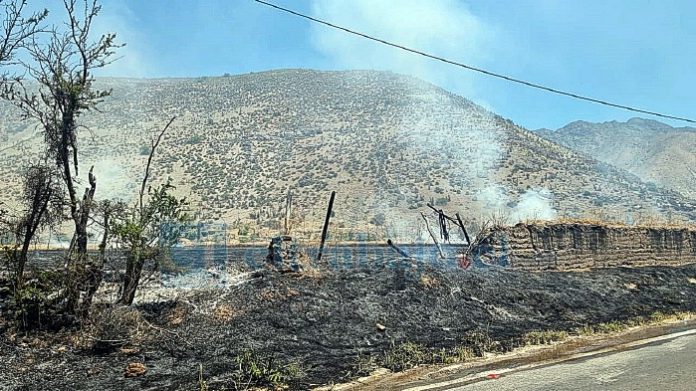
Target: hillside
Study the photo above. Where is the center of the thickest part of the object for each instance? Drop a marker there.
(654, 151)
(387, 143)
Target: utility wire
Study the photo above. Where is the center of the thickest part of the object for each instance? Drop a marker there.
(480, 70)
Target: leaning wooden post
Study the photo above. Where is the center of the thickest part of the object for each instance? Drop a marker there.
(398, 250)
(439, 249)
(325, 231)
(461, 225)
(288, 205)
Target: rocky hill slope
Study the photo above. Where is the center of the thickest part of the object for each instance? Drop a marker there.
(652, 150)
(387, 143)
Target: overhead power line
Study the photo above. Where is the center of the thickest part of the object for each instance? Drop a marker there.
(480, 70)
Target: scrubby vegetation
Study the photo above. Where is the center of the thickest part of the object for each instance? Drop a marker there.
(386, 143)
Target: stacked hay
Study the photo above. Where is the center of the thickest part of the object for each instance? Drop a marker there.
(577, 246)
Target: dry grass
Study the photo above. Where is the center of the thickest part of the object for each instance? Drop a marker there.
(116, 327)
(656, 317)
(178, 315)
(429, 282)
(656, 223)
(544, 337)
(225, 313)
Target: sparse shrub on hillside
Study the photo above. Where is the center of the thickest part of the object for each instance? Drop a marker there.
(195, 139)
(441, 201)
(379, 219)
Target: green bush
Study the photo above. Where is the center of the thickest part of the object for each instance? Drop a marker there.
(36, 304)
(480, 342)
(256, 370)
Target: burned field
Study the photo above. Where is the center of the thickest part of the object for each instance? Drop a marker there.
(323, 326)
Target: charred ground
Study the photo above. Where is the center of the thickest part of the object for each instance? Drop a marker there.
(328, 324)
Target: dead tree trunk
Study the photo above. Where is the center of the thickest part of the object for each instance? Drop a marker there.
(461, 225)
(134, 269)
(85, 209)
(79, 272)
(95, 276)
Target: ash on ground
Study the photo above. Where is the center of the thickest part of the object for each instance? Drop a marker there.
(326, 324)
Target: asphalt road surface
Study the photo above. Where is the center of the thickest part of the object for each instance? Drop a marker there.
(666, 366)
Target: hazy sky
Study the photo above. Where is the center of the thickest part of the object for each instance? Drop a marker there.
(635, 52)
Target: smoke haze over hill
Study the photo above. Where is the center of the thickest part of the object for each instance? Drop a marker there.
(388, 144)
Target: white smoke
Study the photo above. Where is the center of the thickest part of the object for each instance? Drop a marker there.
(131, 60)
(533, 204)
(443, 27)
(115, 178)
(447, 133)
(494, 198)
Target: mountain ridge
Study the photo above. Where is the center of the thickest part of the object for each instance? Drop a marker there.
(654, 151)
(387, 143)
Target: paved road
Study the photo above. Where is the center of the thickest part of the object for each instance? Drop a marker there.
(665, 366)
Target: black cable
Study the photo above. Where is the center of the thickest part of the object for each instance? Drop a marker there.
(480, 70)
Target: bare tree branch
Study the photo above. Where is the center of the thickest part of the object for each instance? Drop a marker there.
(155, 143)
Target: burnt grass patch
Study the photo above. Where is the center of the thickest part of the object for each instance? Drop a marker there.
(330, 326)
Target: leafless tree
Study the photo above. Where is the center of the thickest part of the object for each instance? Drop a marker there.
(63, 67)
(61, 70)
(16, 32)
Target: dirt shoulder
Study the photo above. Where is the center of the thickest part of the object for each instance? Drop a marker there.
(573, 348)
(335, 326)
